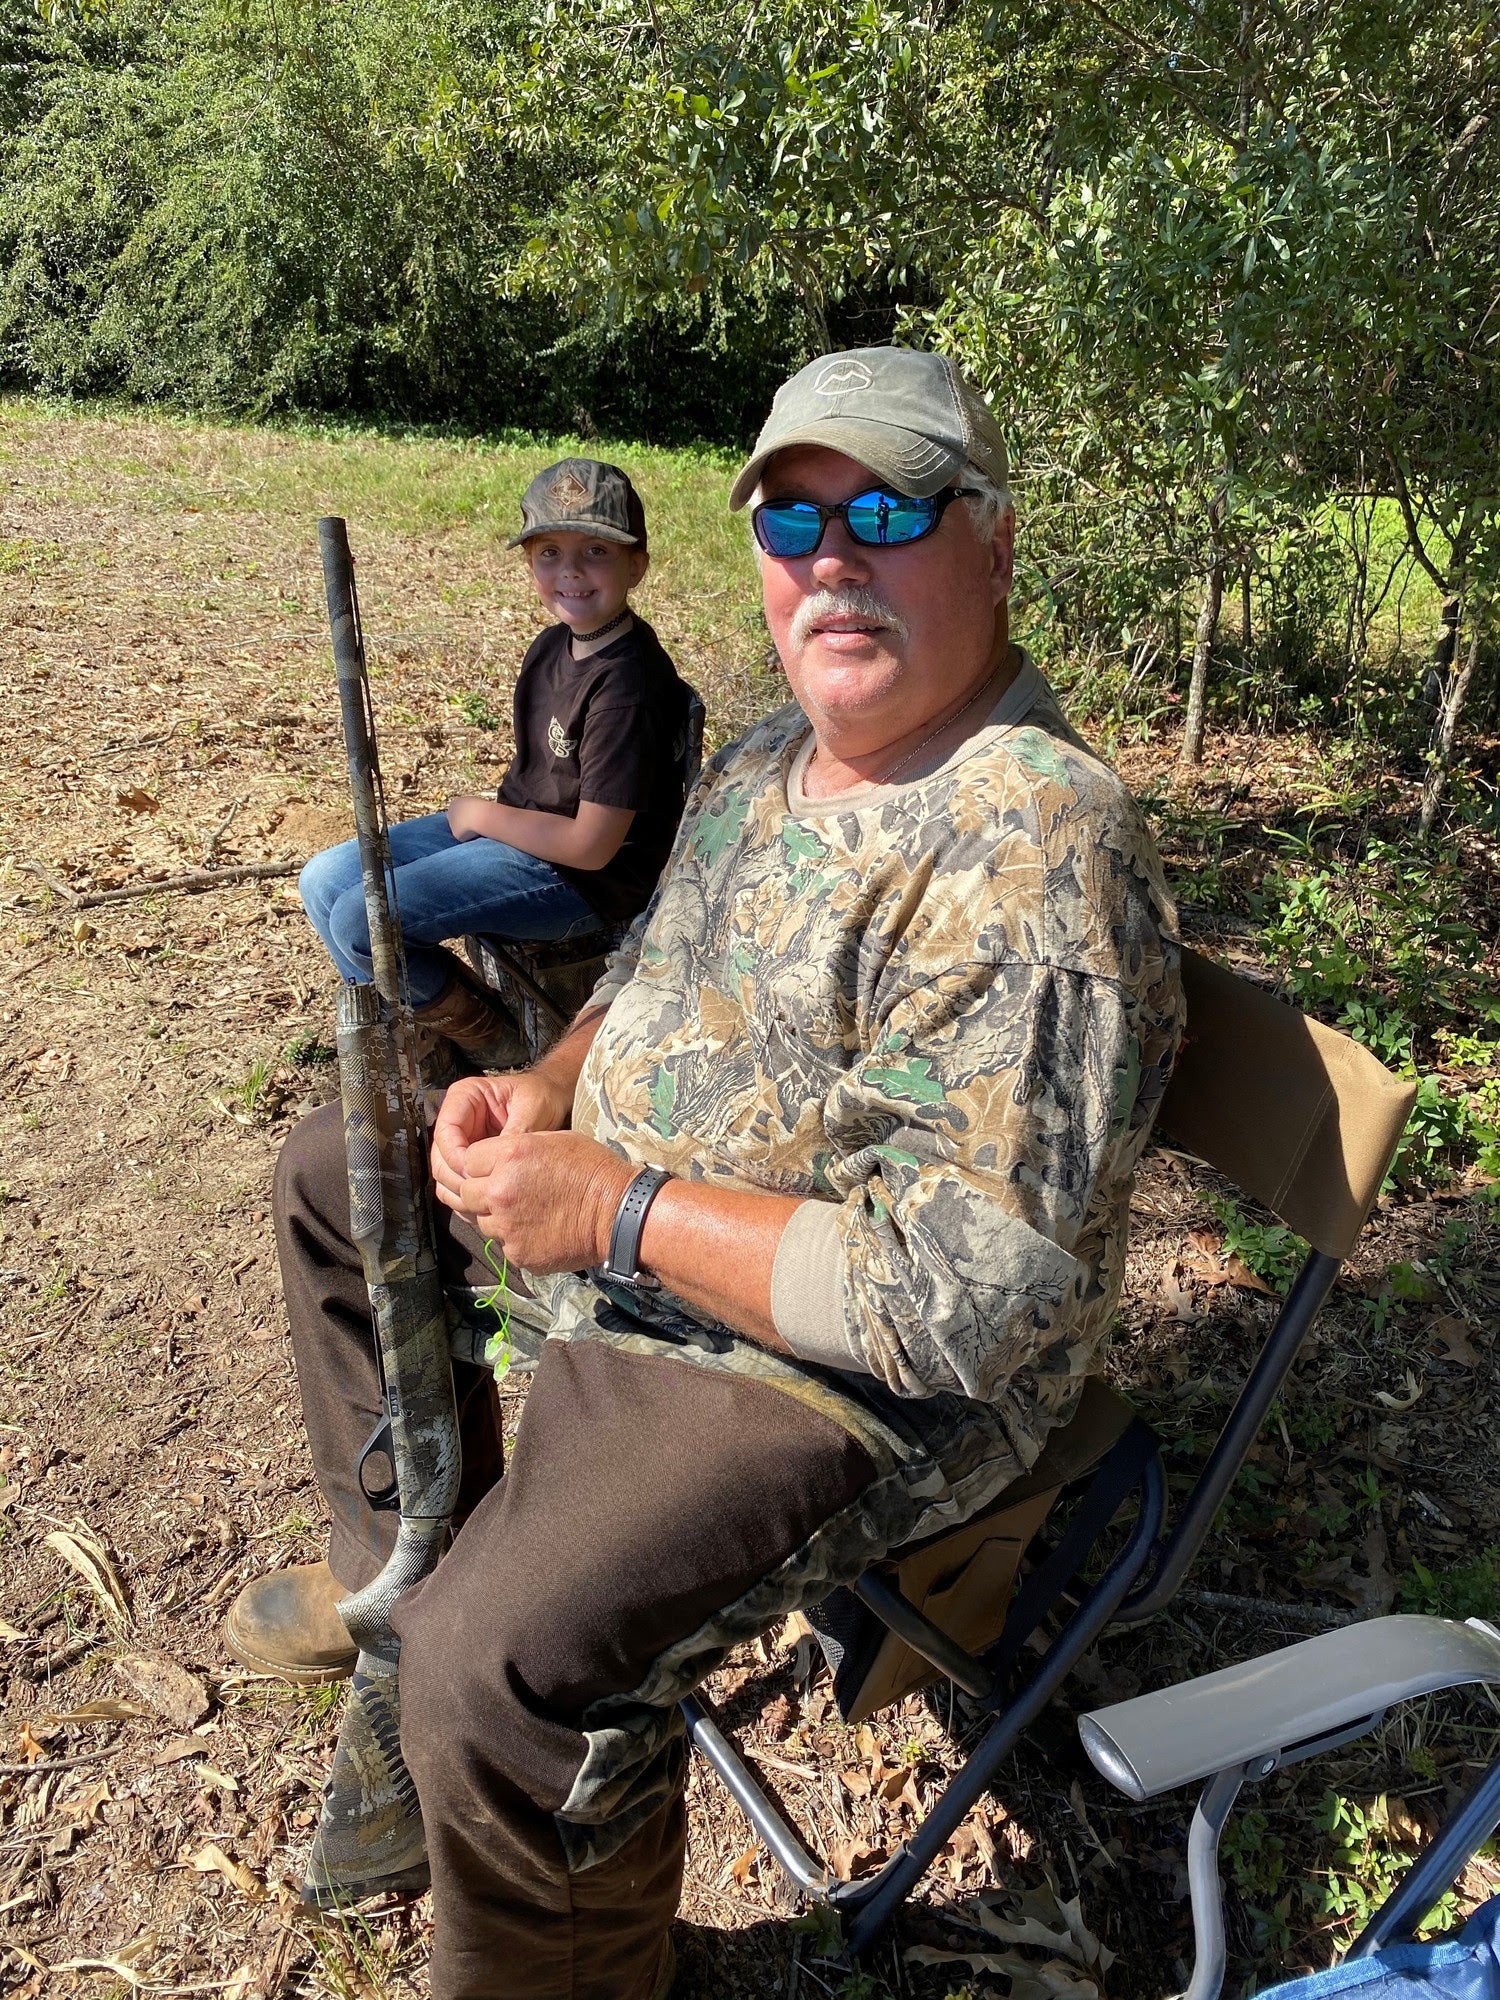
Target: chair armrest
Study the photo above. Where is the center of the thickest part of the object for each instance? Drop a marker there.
(1268, 1706)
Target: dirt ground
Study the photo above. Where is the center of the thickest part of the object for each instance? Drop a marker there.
(169, 707)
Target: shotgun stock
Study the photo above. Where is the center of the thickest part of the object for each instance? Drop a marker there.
(390, 1202)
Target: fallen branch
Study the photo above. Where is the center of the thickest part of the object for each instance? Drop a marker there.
(55, 1763)
(44, 1665)
(202, 878)
(1317, 1617)
(54, 882)
(219, 832)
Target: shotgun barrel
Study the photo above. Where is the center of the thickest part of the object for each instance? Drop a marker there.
(390, 1199)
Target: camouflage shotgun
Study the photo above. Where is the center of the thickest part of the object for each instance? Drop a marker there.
(390, 1207)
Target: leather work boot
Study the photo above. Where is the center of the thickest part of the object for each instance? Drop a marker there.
(370, 1840)
(285, 1624)
(477, 1021)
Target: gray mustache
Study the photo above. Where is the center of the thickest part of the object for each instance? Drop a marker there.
(856, 601)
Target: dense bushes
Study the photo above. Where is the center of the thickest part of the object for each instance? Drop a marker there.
(253, 212)
(1230, 273)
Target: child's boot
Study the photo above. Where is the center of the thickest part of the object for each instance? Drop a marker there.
(477, 1022)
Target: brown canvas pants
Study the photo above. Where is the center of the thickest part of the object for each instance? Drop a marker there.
(643, 1494)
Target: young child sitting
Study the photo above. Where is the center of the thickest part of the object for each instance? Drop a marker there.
(587, 811)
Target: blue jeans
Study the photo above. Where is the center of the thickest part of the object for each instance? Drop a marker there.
(444, 888)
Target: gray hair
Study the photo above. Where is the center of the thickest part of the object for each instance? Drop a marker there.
(986, 503)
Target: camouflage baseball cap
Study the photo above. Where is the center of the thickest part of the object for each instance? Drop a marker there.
(582, 496)
(910, 417)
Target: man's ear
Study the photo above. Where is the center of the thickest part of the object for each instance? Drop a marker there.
(1003, 556)
(640, 562)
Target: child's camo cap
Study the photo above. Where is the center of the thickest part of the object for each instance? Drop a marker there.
(582, 496)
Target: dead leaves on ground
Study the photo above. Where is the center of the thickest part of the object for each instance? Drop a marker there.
(136, 800)
(30, 1746)
(1203, 1261)
(210, 1859)
(1076, 1959)
(103, 1708)
(1448, 1337)
(84, 1806)
(1371, 1589)
(83, 1551)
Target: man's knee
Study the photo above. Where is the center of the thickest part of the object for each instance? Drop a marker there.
(457, 1719)
(312, 1174)
(486, 1701)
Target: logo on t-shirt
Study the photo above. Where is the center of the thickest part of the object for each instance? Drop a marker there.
(559, 744)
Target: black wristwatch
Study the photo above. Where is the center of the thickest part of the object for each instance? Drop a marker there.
(622, 1266)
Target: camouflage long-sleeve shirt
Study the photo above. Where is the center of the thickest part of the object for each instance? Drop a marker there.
(943, 1013)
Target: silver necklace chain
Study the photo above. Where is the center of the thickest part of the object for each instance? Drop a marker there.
(948, 722)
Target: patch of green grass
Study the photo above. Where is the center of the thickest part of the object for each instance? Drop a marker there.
(250, 1088)
(476, 710)
(26, 557)
(293, 1525)
(1470, 1590)
(363, 1958)
(319, 1704)
(310, 1051)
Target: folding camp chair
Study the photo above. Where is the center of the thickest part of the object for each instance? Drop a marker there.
(546, 984)
(1294, 1114)
(1239, 1725)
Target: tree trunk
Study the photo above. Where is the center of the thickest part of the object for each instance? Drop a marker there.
(1446, 734)
(1444, 662)
(1203, 651)
(1245, 633)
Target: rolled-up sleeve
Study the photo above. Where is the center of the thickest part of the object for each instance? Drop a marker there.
(968, 1145)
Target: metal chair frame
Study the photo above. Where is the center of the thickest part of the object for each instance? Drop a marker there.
(1142, 1578)
(1285, 1708)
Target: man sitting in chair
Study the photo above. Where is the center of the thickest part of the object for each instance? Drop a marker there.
(852, 1118)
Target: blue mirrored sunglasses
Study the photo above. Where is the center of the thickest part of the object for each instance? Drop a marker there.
(877, 520)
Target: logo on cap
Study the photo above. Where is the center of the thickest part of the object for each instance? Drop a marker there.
(842, 378)
(569, 491)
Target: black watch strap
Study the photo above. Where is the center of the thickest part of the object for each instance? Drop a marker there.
(622, 1266)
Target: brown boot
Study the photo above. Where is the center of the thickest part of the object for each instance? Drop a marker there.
(477, 1021)
(285, 1624)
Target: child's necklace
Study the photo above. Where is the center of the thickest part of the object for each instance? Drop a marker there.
(619, 619)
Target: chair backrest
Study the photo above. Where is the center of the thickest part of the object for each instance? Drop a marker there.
(1296, 1114)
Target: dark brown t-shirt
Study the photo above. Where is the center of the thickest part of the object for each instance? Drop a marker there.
(609, 730)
